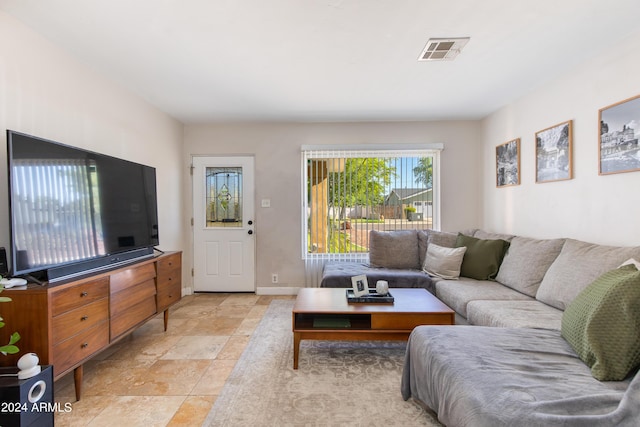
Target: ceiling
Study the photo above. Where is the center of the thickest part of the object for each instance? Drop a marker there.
(332, 60)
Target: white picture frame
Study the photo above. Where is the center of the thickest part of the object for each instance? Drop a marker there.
(360, 285)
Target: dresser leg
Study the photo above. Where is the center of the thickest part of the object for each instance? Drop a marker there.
(166, 319)
(77, 379)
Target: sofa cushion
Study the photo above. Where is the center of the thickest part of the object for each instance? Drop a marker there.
(458, 293)
(602, 324)
(483, 257)
(394, 249)
(514, 314)
(443, 238)
(579, 264)
(526, 262)
(440, 238)
(443, 262)
(423, 242)
(487, 235)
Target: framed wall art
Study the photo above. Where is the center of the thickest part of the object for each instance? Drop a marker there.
(554, 153)
(508, 163)
(619, 126)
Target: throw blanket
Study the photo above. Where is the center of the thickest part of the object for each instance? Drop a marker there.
(338, 274)
(486, 376)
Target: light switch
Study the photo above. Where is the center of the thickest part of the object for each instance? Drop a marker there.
(266, 203)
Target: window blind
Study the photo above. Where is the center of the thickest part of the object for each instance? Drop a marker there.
(347, 192)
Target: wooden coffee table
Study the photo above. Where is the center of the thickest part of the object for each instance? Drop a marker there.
(325, 314)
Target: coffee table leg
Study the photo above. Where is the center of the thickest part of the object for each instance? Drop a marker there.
(296, 349)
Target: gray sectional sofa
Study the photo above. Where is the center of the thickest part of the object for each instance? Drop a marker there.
(518, 364)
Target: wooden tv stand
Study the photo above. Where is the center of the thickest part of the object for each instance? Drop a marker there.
(67, 323)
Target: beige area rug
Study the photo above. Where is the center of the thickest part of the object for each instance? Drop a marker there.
(337, 384)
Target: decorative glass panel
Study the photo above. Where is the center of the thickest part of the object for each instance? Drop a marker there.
(224, 197)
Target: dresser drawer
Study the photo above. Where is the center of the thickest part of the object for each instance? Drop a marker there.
(79, 347)
(168, 294)
(74, 321)
(169, 278)
(132, 317)
(121, 302)
(76, 296)
(170, 265)
(131, 277)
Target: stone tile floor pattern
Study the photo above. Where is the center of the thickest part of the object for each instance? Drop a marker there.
(157, 378)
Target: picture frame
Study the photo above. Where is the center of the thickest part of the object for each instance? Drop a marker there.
(508, 163)
(619, 131)
(554, 153)
(360, 285)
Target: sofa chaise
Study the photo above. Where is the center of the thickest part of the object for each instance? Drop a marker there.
(524, 361)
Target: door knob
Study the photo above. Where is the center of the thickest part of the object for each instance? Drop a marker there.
(250, 222)
(250, 231)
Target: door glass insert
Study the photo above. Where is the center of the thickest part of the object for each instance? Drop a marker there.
(224, 197)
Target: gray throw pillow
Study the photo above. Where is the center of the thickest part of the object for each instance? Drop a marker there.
(394, 249)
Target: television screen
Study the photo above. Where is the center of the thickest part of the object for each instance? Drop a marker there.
(74, 210)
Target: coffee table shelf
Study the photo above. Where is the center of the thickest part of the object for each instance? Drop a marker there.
(324, 321)
(325, 314)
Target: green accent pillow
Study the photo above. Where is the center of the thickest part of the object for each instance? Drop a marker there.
(483, 257)
(602, 324)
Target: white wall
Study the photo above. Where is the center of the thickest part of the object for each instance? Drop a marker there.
(278, 175)
(601, 209)
(47, 93)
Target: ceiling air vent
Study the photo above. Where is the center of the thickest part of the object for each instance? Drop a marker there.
(442, 49)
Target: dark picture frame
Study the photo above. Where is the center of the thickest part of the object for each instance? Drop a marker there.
(619, 131)
(554, 153)
(508, 163)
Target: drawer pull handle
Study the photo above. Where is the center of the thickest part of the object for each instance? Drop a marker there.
(85, 345)
(84, 294)
(83, 318)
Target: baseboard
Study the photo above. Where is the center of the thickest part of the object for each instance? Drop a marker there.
(269, 290)
(261, 290)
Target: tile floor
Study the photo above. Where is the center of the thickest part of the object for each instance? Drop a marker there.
(157, 378)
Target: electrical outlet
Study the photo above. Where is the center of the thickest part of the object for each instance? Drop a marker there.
(274, 278)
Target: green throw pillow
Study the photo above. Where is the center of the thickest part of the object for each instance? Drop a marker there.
(483, 257)
(602, 324)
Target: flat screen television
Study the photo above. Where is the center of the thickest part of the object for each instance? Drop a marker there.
(74, 211)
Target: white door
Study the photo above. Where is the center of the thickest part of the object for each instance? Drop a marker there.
(223, 224)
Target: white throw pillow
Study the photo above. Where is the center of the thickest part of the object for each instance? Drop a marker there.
(631, 261)
(443, 262)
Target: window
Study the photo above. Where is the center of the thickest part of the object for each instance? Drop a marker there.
(349, 192)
